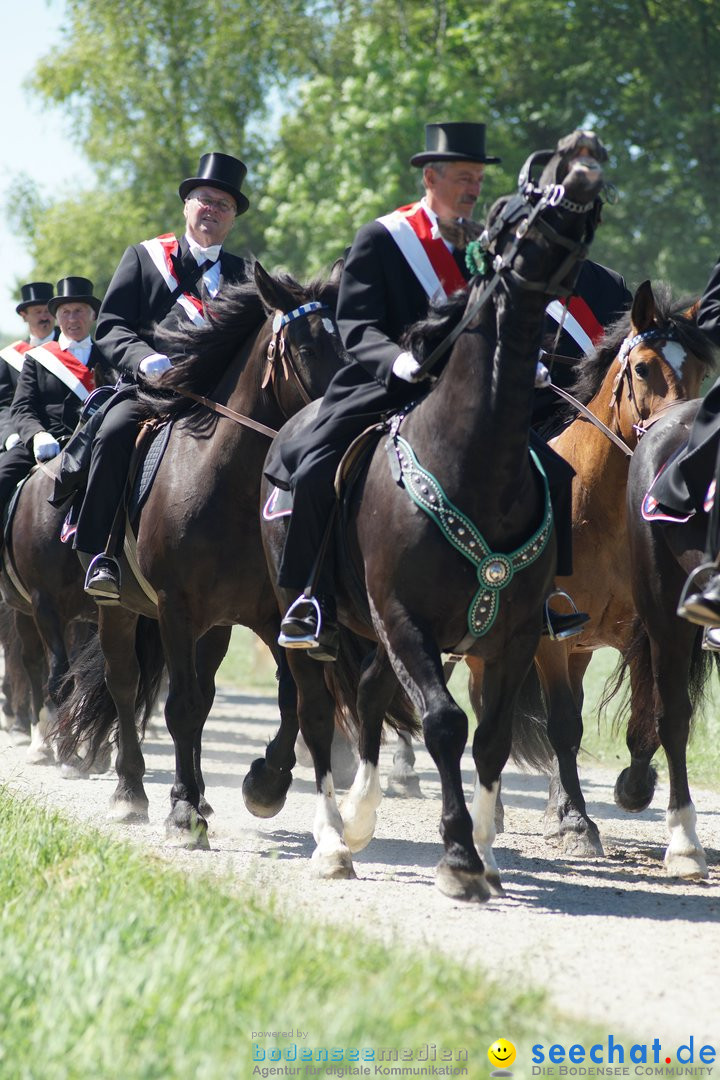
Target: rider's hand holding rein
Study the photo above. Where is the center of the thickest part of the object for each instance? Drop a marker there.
(152, 367)
(407, 368)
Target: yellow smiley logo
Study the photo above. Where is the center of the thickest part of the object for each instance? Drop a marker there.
(501, 1053)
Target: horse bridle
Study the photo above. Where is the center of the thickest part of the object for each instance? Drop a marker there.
(277, 349)
(515, 209)
(280, 358)
(640, 426)
(653, 334)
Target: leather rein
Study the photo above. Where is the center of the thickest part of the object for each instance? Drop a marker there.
(279, 354)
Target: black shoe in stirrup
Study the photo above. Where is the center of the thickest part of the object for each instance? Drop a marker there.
(102, 580)
(311, 623)
(558, 626)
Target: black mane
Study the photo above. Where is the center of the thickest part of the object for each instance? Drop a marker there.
(202, 354)
(422, 337)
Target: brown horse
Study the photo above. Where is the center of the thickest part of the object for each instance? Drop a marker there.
(270, 346)
(647, 363)
(448, 533)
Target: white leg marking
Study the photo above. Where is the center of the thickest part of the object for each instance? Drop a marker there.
(360, 805)
(482, 813)
(332, 856)
(684, 856)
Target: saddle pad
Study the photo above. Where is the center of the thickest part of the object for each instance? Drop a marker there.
(148, 470)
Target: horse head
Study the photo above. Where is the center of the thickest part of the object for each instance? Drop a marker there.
(305, 349)
(662, 359)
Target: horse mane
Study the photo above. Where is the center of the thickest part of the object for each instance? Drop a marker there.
(422, 337)
(592, 369)
(202, 354)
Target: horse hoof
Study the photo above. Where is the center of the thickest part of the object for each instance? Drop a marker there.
(334, 865)
(40, 755)
(638, 799)
(128, 812)
(468, 885)
(494, 884)
(186, 828)
(404, 786)
(358, 841)
(582, 845)
(72, 769)
(204, 807)
(264, 790)
(686, 866)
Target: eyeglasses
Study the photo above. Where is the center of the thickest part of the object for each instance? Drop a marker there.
(213, 204)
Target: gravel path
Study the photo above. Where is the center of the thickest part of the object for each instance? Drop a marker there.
(612, 940)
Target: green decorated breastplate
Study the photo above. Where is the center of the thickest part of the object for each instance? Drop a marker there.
(495, 569)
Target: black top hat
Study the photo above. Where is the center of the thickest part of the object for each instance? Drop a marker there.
(219, 171)
(36, 292)
(454, 142)
(74, 290)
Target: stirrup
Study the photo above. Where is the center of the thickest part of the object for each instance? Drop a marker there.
(702, 568)
(95, 564)
(571, 631)
(308, 641)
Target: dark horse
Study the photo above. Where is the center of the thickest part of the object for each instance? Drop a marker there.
(42, 581)
(198, 543)
(668, 667)
(464, 445)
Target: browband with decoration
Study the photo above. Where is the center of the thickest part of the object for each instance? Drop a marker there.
(281, 320)
(647, 335)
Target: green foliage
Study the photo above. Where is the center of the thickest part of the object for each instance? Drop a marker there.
(326, 101)
(113, 965)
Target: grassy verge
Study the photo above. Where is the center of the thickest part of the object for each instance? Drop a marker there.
(249, 664)
(113, 965)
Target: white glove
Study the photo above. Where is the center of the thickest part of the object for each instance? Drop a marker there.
(12, 440)
(542, 376)
(152, 367)
(406, 368)
(45, 446)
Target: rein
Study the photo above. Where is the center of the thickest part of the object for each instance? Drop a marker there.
(277, 348)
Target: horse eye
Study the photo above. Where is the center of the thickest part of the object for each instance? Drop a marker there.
(641, 369)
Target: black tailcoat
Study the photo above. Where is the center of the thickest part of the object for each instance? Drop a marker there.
(137, 308)
(43, 402)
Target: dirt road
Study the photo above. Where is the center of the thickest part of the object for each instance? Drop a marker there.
(612, 940)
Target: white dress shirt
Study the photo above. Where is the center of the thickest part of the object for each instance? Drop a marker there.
(79, 349)
(211, 277)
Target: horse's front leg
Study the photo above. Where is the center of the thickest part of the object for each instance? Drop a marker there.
(117, 629)
(376, 689)
(566, 821)
(211, 650)
(635, 785)
(266, 785)
(416, 660)
(185, 716)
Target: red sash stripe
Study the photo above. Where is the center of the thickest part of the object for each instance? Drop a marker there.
(76, 367)
(436, 249)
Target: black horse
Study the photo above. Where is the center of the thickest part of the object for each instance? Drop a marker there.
(270, 347)
(668, 667)
(449, 537)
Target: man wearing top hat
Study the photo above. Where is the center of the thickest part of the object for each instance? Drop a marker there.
(33, 308)
(159, 284)
(396, 266)
(56, 379)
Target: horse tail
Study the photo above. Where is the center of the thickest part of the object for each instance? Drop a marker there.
(342, 679)
(640, 701)
(531, 747)
(87, 716)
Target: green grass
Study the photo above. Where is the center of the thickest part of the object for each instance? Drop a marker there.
(113, 965)
(249, 664)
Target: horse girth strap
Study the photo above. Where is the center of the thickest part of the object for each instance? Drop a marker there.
(495, 570)
(230, 414)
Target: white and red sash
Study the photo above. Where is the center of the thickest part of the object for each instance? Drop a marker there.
(161, 249)
(66, 367)
(428, 257)
(15, 354)
(578, 320)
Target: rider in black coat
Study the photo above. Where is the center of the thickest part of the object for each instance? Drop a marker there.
(159, 284)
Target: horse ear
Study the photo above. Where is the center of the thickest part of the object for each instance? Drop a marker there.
(642, 314)
(272, 292)
(336, 272)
